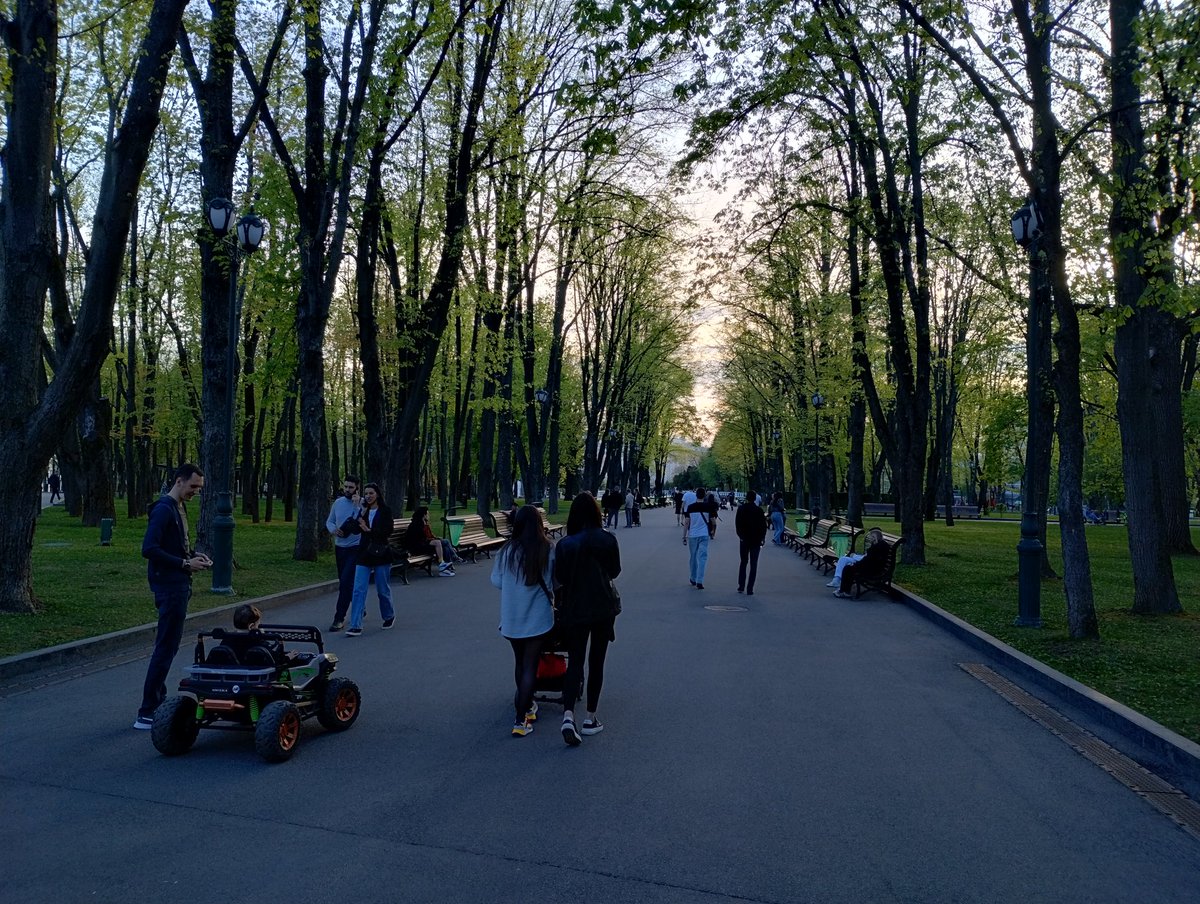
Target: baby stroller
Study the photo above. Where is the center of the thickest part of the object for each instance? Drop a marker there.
(552, 671)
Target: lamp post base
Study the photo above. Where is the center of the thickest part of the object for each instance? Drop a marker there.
(222, 527)
(1029, 574)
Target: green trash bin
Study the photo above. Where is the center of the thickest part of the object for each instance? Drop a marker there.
(840, 543)
(456, 529)
(106, 531)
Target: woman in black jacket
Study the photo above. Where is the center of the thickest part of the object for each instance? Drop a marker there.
(586, 562)
(375, 522)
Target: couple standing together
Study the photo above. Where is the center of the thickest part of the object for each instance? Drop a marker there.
(581, 569)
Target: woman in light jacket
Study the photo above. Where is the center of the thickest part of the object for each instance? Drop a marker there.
(522, 572)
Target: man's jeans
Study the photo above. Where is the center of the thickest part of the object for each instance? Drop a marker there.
(778, 522)
(172, 610)
(629, 517)
(697, 558)
(748, 550)
(346, 558)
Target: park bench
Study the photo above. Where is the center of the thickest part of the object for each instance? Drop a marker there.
(959, 511)
(474, 539)
(879, 509)
(402, 559)
(826, 557)
(882, 579)
(501, 524)
(818, 537)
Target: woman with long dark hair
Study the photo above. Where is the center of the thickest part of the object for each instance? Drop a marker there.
(420, 541)
(375, 558)
(522, 572)
(586, 563)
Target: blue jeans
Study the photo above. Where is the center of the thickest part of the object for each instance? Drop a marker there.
(362, 574)
(777, 523)
(629, 517)
(697, 558)
(172, 608)
(346, 558)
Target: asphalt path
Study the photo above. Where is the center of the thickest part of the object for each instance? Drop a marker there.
(807, 749)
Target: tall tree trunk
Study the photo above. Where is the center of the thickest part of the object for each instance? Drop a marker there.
(1135, 346)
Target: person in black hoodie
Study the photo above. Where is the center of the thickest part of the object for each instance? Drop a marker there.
(586, 562)
(870, 564)
(170, 564)
(751, 526)
(375, 522)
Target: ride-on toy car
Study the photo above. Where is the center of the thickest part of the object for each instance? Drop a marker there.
(249, 682)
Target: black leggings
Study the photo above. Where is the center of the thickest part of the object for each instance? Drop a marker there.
(577, 644)
(526, 651)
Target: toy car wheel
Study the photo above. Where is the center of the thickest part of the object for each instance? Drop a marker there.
(278, 731)
(339, 704)
(175, 726)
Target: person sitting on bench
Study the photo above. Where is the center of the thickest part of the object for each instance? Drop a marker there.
(871, 562)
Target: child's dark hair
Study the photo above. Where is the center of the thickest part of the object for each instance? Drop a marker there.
(246, 616)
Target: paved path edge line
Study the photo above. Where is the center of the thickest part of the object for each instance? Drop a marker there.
(76, 651)
(1180, 752)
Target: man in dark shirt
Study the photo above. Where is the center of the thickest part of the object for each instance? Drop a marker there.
(170, 566)
(751, 526)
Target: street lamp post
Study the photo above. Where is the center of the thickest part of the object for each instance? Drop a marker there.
(777, 465)
(818, 402)
(1027, 229)
(249, 232)
(542, 397)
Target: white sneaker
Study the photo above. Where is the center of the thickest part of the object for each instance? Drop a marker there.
(446, 573)
(834, 583)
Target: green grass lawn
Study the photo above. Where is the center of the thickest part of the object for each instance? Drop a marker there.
(1150, 664)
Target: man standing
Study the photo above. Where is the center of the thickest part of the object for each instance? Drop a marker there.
(171, 563)
(343, 524)
(55, 483)
(751, 526)
(629, 504)
(695, 534)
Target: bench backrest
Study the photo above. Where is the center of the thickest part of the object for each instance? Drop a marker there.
(823, 531)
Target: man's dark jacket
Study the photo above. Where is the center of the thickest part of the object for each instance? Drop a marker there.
(750, 523)
(163, 546)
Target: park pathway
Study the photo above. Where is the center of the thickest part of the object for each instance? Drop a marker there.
(786, 747)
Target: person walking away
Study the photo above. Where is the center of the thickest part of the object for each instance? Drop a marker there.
(522, 572)
(55, 484)
(419, 540)
(871, 563)
(695, 535)
(714, 514)
(778, 518)
(587, 561)
(375, 558)
(678, 496)
(342, 523)
(750, 524)
(171, 562)
(630, 502)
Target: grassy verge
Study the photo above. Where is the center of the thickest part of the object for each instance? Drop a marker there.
(1151, 664)
(86, 589)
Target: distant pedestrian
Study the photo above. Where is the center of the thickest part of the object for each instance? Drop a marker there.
(587, 561)
(630, 502)
(678, 496)
(696, 534)
(55, 484)
(171, 562)
(523, 572)
(751, 526)
(374, 559)
(342, 523)
(778, 518)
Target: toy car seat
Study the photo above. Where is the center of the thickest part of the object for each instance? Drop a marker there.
(221, 655)
(258, 657)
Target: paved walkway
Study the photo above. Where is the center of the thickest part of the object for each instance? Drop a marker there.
(806, 749)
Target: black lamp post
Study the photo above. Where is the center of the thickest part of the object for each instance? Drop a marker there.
(542, 397)
(249, 233)
(818, 402)
(1027, 229)
(777, 465)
